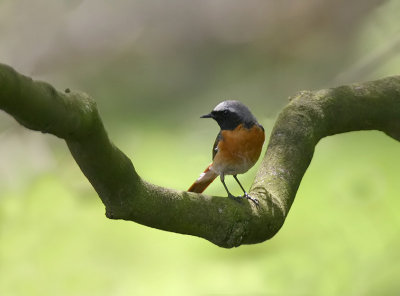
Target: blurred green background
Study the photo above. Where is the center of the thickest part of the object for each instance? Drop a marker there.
(154, 67)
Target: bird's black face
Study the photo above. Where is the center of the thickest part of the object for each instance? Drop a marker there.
(229, 114)
(226, 119)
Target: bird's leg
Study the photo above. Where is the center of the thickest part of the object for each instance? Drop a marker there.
(246, 195)
(237, 180)
(230, 195)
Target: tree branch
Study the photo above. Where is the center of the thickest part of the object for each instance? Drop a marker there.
(310, 116)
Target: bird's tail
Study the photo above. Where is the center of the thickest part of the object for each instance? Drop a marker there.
(203, 181)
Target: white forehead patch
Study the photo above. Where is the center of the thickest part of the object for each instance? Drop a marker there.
(226, 104)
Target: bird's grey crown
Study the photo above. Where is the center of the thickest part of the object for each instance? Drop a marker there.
(238, 108)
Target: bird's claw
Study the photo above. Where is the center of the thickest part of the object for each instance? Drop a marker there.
(254, 200)
(235, 198)
(247, 196)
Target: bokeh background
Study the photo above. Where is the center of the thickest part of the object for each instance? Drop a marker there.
(154, 67)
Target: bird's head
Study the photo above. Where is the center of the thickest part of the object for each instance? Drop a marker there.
(229, 114)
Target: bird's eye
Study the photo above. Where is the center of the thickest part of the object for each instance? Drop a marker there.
(225, 112)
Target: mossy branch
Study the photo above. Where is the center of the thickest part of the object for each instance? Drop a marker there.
(309, 116)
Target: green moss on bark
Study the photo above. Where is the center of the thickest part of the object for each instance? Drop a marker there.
(309, 116)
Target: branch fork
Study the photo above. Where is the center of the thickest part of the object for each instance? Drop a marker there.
(309, 116)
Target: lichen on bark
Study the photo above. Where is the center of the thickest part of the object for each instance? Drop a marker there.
(308, 117)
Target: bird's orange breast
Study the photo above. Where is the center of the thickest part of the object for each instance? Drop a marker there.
(238, 150)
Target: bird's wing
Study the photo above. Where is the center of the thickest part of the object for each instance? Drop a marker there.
(215, 147)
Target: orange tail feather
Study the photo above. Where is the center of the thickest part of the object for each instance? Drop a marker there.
(203, 181)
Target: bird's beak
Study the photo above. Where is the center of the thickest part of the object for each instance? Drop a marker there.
(207, 116)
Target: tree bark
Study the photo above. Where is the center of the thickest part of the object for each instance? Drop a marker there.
(309, 116)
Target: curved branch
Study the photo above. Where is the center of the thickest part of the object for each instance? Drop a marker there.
(310, 116)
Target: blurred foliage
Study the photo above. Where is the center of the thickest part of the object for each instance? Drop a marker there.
(154, 67)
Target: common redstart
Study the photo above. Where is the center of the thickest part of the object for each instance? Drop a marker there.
(237, 146)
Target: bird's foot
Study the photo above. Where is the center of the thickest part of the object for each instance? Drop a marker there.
(240, 198)
(254, 200)
(235, 198)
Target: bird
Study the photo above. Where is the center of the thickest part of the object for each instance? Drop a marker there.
(236, 149)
